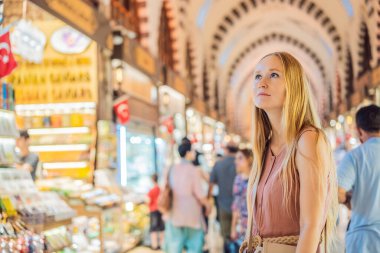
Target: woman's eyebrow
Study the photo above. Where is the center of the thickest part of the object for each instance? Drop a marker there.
(275, 69)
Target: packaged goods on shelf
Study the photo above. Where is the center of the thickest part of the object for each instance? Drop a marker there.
(106, 219)
(7, 97)
(15, 181)
(33, 206)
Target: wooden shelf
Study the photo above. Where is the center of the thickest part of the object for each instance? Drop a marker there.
(6, 111)
(49, 226)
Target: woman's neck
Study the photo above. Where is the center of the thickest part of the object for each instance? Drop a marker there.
(278, 134)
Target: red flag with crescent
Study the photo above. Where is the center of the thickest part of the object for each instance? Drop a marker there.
(7, 61)
(121, 109)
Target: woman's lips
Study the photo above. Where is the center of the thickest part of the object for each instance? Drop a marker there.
(263, 94)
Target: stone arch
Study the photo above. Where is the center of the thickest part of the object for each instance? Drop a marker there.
(245, 8)
(167, 49)
(349, 80)
(365, 51)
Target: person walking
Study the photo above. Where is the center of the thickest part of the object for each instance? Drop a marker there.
(157, 225)
(243, 162)
(184, 228)
(292, 192)
(223, 175)
(359, 180)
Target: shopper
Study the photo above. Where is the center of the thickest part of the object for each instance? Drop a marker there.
(27, 160)
(223, 175)
(185, 225)
(243, 162)
(199, 163)
(359, 177)
(157, 225)
(292, 187)
(215, 190)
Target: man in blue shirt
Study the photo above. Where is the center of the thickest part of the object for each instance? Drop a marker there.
(359, 173)
(223, 175)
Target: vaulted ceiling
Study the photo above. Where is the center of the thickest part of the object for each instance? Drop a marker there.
(224, 39)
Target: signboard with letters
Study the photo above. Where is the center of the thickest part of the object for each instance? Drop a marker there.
(59, 78)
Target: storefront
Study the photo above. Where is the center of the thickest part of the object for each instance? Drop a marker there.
(220, 133)
(134, 70)
(208, 147)
(194, 127)
(172, 123)
(56, 86)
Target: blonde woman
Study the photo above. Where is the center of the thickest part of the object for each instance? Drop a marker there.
(292, 200)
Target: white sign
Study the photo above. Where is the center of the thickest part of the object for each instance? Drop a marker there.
(28, 41)
(67, 40)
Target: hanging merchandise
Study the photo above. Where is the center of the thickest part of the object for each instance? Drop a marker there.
(28, 41)
(7, 61)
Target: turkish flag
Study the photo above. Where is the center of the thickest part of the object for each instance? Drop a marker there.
(121, 109)
(7, 61)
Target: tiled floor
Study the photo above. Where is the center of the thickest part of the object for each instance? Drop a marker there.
(215, 241)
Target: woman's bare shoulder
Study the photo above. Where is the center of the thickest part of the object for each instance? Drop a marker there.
(310, 140)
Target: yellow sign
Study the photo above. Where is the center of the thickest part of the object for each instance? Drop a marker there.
(180, 85)
(59, 78)
(145, 61)
(77, 10)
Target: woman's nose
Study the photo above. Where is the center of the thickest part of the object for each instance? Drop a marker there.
(263, 83)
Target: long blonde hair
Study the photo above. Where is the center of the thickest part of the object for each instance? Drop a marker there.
(298, 114)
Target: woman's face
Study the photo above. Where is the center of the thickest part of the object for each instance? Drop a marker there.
(241, 162)
(269, 84)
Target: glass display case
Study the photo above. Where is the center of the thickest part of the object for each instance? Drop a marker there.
(136, 155)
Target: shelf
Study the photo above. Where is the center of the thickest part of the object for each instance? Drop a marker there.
(65, 165)
(9, 139)
(59, 148)
(56, 107)
(59, 130)
(3, 111)
(57, 224)
(49, 226)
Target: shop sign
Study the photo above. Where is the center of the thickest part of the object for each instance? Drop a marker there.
(67, 40)
(375, 77)
(7, 61)
(28, 41)
(127, 56)
(58, 78)
(179, 84)
(143, 111)
(145, 61)
(121, 109)
(80, 15)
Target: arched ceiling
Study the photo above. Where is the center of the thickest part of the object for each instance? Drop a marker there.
(236, 34)
(230, 36)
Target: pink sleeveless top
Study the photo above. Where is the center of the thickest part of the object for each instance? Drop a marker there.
(273, 218)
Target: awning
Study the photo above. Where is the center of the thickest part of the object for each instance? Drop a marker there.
(81, 16)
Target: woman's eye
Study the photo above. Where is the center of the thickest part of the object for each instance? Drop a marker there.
(274, 75)
(257, 77)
